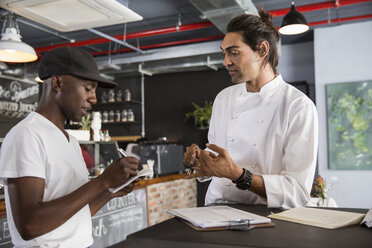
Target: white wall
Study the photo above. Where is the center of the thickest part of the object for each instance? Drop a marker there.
(296, 62)
(342, 54)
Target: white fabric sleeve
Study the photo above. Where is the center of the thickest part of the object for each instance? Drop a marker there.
(22, 154)
(211, 136)
(292, 187)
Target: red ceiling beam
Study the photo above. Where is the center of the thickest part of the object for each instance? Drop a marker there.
(345, 19)
(187, 27)
(182, 42)
(317, 6)
(140, 34)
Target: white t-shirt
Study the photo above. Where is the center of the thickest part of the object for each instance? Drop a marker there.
(273, 133)
(35, 147)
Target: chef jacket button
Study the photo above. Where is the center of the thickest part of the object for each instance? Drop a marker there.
(232, 140)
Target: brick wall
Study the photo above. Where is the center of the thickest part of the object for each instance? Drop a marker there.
(162, 197)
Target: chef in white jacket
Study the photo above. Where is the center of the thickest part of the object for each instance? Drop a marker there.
(263, 130)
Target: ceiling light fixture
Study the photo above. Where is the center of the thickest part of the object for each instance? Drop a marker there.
(293, 22)
(12, 49)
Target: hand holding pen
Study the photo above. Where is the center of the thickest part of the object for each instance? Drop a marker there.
(191, 158)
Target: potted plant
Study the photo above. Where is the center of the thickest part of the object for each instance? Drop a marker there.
(201, 114)
(82, 134)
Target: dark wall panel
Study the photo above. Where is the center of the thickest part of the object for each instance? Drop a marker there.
(168, 98)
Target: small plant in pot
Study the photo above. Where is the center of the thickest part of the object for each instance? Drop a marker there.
(201, 114)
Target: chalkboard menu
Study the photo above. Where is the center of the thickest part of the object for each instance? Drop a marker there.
(17, 97)
(120, 217)
(5, 240)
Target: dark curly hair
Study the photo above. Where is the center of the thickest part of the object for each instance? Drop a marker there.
(256, 29)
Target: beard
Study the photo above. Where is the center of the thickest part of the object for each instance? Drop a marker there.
(236, 78)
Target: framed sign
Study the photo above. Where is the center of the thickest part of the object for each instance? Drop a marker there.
(17, 97)
(349, 119)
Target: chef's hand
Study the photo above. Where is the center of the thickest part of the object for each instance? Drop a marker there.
(218, 166)
(190, 157)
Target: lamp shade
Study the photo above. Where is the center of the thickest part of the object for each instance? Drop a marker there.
(12, 49)
(293, 23)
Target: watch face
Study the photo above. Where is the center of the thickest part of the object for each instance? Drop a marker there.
(247, 180)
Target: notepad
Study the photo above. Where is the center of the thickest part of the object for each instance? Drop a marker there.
(325, 218)
(217, 216)
(142, 173)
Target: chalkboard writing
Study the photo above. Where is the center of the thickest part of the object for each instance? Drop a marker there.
(5, 240)
(113, 223)
(17, 97)
(120, 217)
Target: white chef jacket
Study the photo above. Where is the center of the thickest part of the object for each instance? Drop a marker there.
(273, 133)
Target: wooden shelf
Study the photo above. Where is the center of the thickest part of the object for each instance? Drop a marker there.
(126, 138)
(121, 123)
(106, 104)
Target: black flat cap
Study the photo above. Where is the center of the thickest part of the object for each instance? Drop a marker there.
(72, 61)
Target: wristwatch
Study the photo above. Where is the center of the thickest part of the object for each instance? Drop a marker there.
(244, 181)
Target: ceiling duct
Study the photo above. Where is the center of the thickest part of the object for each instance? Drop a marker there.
(72, 15)
(220, 12)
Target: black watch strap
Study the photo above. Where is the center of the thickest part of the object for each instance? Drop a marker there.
(244, 181)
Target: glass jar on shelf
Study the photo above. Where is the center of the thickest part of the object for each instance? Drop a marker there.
(119, 96)
(111, 96)
(124, 115)
(104, 97)
(127, 95)
(130, 115)
(111, 116)
(105, 116)
(117, 116)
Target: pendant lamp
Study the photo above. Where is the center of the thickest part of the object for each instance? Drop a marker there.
(293, 23)
(12, 49)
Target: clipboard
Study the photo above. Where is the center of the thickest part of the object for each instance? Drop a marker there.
(217, 218)
(224, 228)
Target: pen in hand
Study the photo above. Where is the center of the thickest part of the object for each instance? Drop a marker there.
(122, 152)
(191, 170)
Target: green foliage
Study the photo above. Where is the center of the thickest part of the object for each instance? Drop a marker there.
(85, 122)
(350, 125)
(201, 114)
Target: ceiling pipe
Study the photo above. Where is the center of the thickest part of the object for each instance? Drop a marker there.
(123, 43)
(181, 42)
(165, 44)
(317, 6)
(140, 34)
(193, 26)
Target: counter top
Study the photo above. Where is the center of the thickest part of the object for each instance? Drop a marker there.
(140, 184)
(156, 180)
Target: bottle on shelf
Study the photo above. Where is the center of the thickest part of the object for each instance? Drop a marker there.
(127, 95)
(124, 115)
(117, 116)
(111, 116)
(104, 97)
(101, 135)
(96, 125)
(111, 96)
(105, 116)
(119, 96)
(130, 115)
(107, 135)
